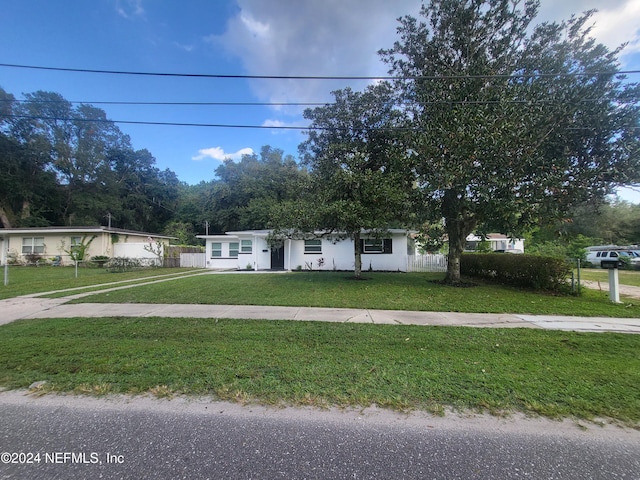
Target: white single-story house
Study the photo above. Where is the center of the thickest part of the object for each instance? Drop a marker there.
(17, 245)
(497, 242)
(249, 250)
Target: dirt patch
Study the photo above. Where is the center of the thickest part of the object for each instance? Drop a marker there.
(627, 290)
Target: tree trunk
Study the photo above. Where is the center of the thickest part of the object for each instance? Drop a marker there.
(4, 218)
(357, 249)
(458, 225)
(26, 209)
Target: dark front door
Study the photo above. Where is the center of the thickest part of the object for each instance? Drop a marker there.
(277, 258)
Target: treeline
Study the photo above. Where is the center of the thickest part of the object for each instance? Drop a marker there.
(68, 165)
(62, 164)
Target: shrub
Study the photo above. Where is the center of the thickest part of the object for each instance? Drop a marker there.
(32, 259)
(122, 264)
(525, 271)
(100, 260)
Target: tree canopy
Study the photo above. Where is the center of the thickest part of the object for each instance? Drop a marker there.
(66, 165)
(355, 159)
(512, 126)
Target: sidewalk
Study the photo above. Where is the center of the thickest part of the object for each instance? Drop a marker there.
(29, 307)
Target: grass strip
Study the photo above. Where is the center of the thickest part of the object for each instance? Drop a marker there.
(550, 373)
(386, 291)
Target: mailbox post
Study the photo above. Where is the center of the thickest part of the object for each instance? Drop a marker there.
(614, 283)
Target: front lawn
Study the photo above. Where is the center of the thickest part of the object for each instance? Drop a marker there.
(387, 291)
(28, 280)
(550, 373)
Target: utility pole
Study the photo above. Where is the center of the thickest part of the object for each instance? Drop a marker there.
(206, 226)
(109, 219)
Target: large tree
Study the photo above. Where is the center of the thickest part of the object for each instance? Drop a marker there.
(66, 164)
(246, 191)
(512, 125)
(356, 162)
(28, 187)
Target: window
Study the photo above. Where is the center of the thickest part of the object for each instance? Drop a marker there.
(373, 246)
(216, 249)
(32, 245)
(75, 249)
(376, 245)
(246, 246)
(313, 246)
(233, 249)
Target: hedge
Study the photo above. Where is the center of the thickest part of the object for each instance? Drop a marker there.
(528, 271)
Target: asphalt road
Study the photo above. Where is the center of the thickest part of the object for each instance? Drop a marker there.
(68, 437)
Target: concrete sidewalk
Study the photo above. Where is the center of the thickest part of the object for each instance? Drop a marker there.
(29, 307)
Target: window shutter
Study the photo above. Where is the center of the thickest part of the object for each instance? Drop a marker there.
(388, 245)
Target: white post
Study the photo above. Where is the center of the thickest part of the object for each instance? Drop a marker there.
(6, 267)
(614, 286)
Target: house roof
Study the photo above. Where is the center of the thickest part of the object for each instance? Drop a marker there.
(264, 233)
(80, 230)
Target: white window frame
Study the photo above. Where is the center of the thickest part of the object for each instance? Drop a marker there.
(33, 245)
(375, 245)
(234, 249)
(216, 248)
(246, 246)
(313, 246)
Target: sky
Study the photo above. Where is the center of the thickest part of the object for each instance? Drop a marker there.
(229, 37)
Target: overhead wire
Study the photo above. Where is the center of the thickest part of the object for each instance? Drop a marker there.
(275, 104)
(315, 77)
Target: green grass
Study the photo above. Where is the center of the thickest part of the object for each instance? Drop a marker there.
(626, 277)
(550, 373)
(387, 291)
(28, 280)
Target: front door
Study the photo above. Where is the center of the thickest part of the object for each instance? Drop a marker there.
(277, 258)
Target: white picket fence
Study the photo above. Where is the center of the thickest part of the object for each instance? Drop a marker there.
(427, 263)
(193, 260)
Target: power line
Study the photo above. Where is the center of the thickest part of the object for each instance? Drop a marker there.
(218, 125)
(295, 104)
(222, 104)
(173, 124)
(316, 77)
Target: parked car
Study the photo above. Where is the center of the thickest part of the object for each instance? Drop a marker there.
(601, 258)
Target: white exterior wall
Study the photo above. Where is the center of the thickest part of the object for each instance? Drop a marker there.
(224, 262)
(337, 255)
(340, 256)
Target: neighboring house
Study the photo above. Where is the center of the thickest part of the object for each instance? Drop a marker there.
(497, 242)
(19, 244)
(249, 250)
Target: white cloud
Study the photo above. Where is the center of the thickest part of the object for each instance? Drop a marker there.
(342, 38)
(273, 123)
(620, 25)
(130, 8)
(616, 21)
(311, 38)
(186, 48)
(217, 153)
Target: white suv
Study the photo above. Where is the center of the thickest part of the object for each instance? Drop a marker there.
(603, 257)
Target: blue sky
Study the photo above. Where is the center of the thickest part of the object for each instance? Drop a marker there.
(246, 37)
